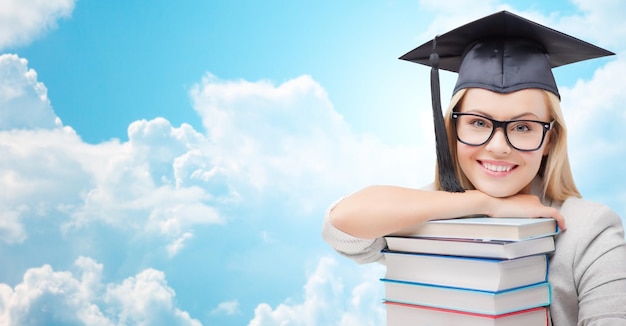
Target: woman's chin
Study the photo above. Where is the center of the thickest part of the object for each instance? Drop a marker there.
(497, 192)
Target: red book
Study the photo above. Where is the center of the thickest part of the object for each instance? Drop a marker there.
(400, 314)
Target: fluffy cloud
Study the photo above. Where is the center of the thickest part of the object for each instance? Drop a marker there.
(21, 92)
(46, 296)
(605, 16)
(146, 184)
(146, 300)
(325, 302)
(595, 118)
(166, 181)
(281, 137)
(123, 185)
(227, 308)
(21, 21)
(593, 108)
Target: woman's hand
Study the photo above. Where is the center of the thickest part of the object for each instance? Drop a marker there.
(523, 205)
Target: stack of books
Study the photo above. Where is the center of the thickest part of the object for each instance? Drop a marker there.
(470, 271)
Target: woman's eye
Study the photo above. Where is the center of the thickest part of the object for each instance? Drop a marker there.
(479, 123)
(521, 127)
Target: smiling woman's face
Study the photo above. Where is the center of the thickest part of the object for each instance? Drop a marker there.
(496, 168)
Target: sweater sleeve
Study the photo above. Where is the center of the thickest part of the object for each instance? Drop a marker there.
(598, 265)
(360, 250)
(601, 270)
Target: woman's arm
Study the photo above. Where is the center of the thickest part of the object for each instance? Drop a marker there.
(377, 211)
(588, 269)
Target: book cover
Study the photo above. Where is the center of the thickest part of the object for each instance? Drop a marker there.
(486, 228)
(472, 247)
(466, 272)
(474, 301)
(399, 314)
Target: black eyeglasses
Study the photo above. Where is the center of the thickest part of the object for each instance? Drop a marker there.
(523, 135)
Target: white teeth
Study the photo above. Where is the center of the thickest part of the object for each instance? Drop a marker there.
(497, 168)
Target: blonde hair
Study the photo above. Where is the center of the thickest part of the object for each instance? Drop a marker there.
(558, 182)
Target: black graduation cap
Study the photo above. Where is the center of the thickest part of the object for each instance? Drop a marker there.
(503, 53)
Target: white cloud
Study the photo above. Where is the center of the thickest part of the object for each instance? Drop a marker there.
(599, 20)
(282, 137)
(227, 307)
(119, 184)
(165, 181)
(21, 92)
(145, 299)
(333, 295)
(46, 296)
(174, 247)
(447, 15)
(146, 184)
(594, 108)
(595, 120)
(11, 230)
(22, 21)
(38, 175)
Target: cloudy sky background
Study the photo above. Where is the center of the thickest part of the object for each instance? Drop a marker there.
(171, 163)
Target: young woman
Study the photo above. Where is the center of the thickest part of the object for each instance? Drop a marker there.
(509, 152)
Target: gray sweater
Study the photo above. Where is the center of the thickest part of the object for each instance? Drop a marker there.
(587, 271)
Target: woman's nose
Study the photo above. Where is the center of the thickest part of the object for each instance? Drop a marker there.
(498, 143)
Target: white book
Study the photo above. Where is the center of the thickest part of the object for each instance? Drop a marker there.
(485, 228)
(472, 247)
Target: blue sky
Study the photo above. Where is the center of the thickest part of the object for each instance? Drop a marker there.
(171, 163)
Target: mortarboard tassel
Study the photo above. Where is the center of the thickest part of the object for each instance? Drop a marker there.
(447, 175)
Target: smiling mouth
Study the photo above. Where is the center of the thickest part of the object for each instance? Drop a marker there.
(497, 167)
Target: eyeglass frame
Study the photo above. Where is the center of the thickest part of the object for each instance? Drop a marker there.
(547, 126)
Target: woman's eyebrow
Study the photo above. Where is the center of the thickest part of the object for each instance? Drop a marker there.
(478, 111)
(524, 114)
(515, 117)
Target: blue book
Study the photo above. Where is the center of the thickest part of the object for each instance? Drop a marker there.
(483, 274)
(473, 301)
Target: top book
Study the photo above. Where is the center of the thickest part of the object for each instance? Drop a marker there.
(486, 228)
